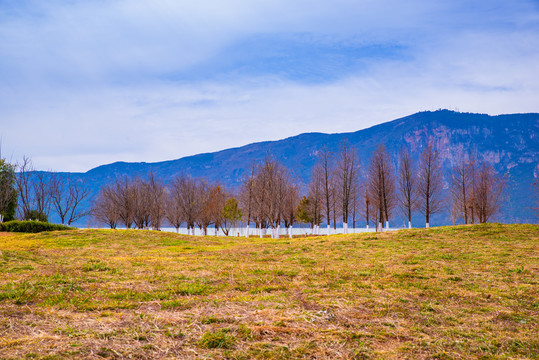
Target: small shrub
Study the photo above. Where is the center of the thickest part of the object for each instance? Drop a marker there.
(31, 226)
(221, 339)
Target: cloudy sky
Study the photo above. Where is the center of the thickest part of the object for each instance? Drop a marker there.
(89, 82)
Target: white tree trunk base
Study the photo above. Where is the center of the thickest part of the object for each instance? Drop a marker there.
(427, 225)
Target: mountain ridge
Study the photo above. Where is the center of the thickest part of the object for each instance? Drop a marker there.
(507, 141)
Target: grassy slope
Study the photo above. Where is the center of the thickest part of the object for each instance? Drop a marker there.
(453, 292)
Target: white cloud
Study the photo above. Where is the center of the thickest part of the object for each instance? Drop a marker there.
(90, 82)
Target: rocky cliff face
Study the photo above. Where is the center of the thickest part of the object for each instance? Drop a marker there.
(509, 142)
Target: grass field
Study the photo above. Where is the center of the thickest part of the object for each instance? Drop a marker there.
(444, 293)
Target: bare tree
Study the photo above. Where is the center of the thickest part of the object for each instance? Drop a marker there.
(381, 186)
(212, 201)
(34, 189)
(316, 196)
(187, 192)
(367, 206)
(104, 208)
(488, 194)
(460, 188)
(42, 186)
(124, 197)
(246, 199)
(430, 182)
(323, 171)
(269, 192)
(24, 186)
(156, 200)
(173, 209)
(407, 188)
(218, 197)
(346, 175)
(356, 202)
(66, 196)
(289, 208)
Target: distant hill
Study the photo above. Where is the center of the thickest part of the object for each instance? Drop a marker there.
(509, 142)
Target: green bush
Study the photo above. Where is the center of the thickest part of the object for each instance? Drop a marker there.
(36, 216)
(221, 339)
(31, 226)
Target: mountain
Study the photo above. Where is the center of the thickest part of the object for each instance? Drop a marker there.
(509, 142)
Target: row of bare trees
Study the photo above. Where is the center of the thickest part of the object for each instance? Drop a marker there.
(147, 203)
(270, 198)
(43, 193)
(341, 188)
(476, 191)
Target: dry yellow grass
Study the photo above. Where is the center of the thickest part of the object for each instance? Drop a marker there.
(447, 293)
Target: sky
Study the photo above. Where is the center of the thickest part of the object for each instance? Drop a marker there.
(90, 82)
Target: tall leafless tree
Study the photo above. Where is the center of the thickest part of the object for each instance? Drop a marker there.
(489, 192)
(269, 188)
(346, 175)
(173, 210)
(124, 197)
(187, 192)
(367, 204)
(156, 200)
(42, 187)
(246, 199)
(430, 182)
(381, 186)
(356, 201)
(460, 188)
(324, 170)
(212, 208)
(104, 208)
(406, 186)
(290, 206)
(67, 194)
(24, 186)
(316, 196)
(34, 189)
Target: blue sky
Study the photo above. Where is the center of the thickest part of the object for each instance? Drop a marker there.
(83, 83)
